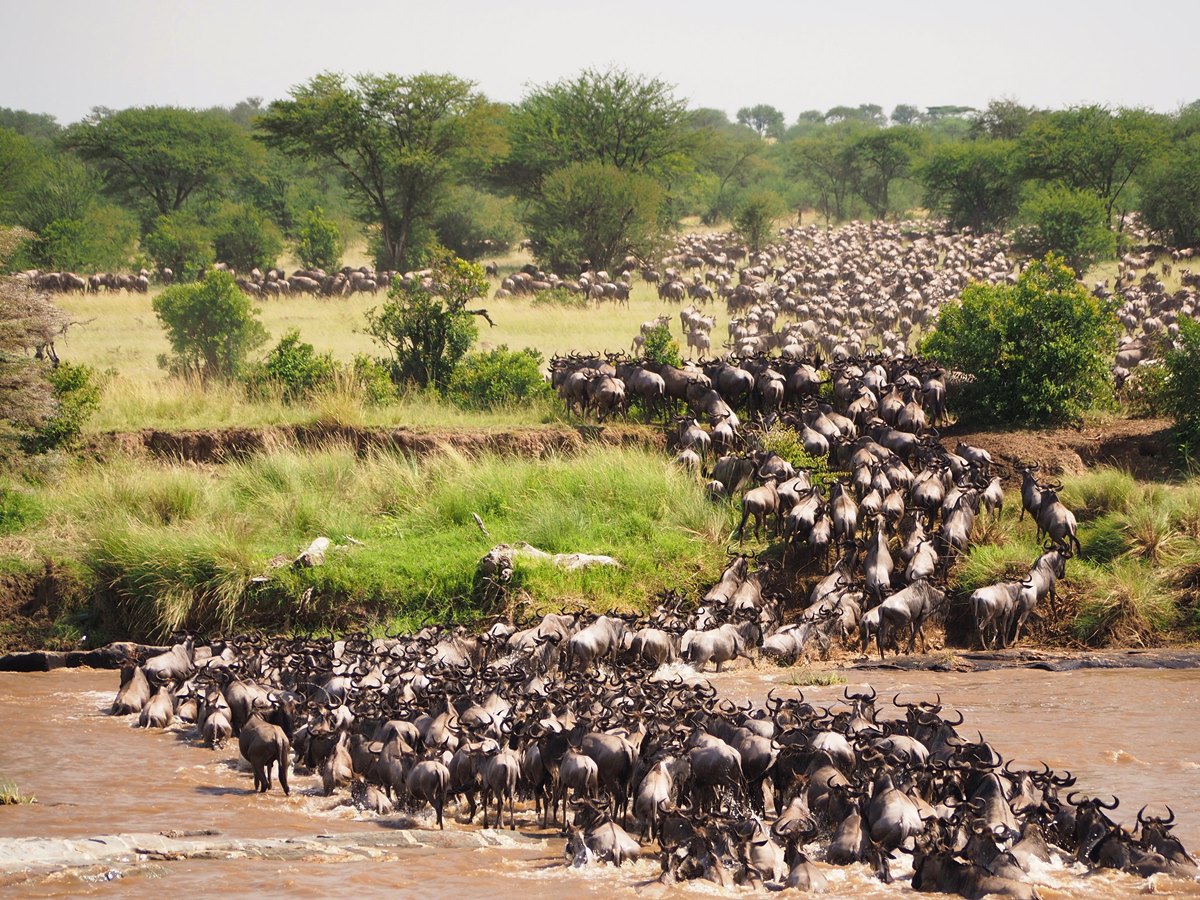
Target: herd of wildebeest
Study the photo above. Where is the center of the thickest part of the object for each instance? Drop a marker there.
(606, 724)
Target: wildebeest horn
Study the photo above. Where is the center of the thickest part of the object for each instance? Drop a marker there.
(1116, 801)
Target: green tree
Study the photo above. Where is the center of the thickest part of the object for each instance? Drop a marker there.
(426, 325)
(397, 143)
(755, 218)
(76, 394)
(1039, 350)
(471, 222)
(972, 183)
(729, 157)
(906, 114)
(180, 243)
(882, 157)
(660, 347)
(1182, 387)
(211, 327)
(1057, 219)
(1092, 148)
(161, 155)
(245, 238)
(828, 162)
(18, 164)
(1170, 193)
(594, 212)
(611, 118)
(765, 119)
(1003, 119)
(499, 377)
(319, 243)
(39, 126)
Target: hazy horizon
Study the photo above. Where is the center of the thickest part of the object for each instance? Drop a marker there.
(66, 57)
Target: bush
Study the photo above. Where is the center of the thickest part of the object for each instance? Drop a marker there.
(471, 223)
(211, 327)
(596, 213)
(19, 510)
(560, 297)
(76, 397)
(373, 378)
(101, 239)
(786, 443)
(497, 378)
(1071, 223)
(246, 239)
(180, 243)
(295, 367)
(661, 348)
(755, 218)
(319, 243)
(429, 329)
(1039, 350)
(1182, 386)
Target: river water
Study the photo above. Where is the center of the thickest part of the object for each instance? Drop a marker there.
(1129, 732)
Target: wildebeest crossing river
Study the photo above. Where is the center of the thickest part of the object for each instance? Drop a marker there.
(1129, 732)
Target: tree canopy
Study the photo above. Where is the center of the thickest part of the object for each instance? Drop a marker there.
(396, 142)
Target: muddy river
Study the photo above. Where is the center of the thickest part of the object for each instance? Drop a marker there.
(1132, 732)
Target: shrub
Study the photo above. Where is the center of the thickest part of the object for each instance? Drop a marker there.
(211, 327)
(76, 397)
(1182, 386)
(1072, 223)
(18, 510)
(661, 348)
(560, 297)
(245, 238)
(755, 218)
(428, 330)
(295, 367)
(499, 377)
(179, 242)
(319, 243)
(373, 378)
(1039, 350)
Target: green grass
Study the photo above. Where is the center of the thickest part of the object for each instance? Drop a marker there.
(175, 546)
(1137, 577)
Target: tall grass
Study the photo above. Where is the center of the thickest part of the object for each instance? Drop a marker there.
(171, 546)
(1136, 579)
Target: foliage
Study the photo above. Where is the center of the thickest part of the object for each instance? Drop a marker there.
(161, 156)
(19, 509)
(727, 160)
(471, 223)
(1144, 392)
(765, 119)
(611, 118)
(829, 164)
(1170, 192)
(180, 243)
(594, 212)
(101, 240)
(1091, 148)
(28, 322)
(427, 328)
(396, 141)
(76, 391)
(755, 218)
(883, 156)
(660, 347)
(972, 183)
(560, 297)
(1182, 387)
(211, 326)
(1072, 223)
(1039, 350)
(373, 378)
(245, 238)
(319, 243)
(294, 367)
(498, 378)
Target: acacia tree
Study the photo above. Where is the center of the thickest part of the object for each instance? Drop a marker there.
(1171, 192)
(755, 218)
(882, 157)
(162, 154)
(396, 143)
(831, 165)
(615, 118)
(763, 118)
(972, 183)
(1091, 148)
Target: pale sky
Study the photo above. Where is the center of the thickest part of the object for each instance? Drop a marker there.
(65, 56)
